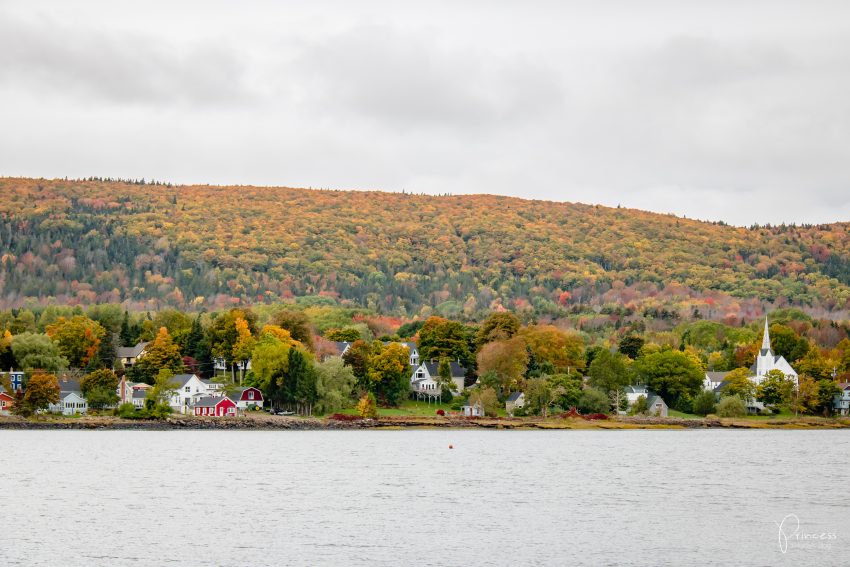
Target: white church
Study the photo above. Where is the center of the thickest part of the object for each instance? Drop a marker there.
(765, 362)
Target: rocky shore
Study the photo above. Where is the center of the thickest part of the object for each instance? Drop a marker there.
(271, 423)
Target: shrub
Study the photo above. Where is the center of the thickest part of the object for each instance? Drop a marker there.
(160, 411)
(640, 407)
(126, 411)
(367, 407)
(344, 417)
(573, 413)
(595, 416)
(593, 401)
(733, 406)
(704, 403)
(684, 404)
(441, 412)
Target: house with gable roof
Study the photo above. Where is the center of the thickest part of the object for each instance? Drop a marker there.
(189, 388)
(424, 379)
(129, 355)
(655, 404)
(214, 406)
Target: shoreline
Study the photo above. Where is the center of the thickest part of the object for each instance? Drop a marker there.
(276, 423)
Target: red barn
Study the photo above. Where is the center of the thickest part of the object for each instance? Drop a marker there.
(245, 397)
(6, 401)
(218, 407)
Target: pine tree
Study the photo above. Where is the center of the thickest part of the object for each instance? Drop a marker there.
(194, 338)
(127, 336)
(296, 368)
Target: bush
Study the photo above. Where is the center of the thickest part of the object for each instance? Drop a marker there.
(126, 411)
(704, 403)
(595, 416)
(572, 414)
(519, 412)
(150, 411)
(733, 406)
(367, 407)
(593, 401)
(446, 396)
(684, 404)
(160, 411)
(344, 417)
(640, 407)
(441, 412)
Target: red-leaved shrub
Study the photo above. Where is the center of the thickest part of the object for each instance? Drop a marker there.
(344, 417)
(596, 416)
(441, 412)
(568, 414)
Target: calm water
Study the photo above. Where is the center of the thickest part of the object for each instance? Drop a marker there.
(403, 498)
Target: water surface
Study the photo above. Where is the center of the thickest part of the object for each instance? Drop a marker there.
(201, 498)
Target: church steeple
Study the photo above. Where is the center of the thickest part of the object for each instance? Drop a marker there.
(765, 342)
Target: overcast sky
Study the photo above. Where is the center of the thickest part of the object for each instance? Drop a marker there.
(735, 111)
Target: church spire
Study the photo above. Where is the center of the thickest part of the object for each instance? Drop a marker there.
(765, 342)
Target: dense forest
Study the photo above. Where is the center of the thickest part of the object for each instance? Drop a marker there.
(149, 246)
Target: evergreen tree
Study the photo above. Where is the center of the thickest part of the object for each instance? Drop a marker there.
(126, 335)
(194, 338)
(295, 370)
(305, 390)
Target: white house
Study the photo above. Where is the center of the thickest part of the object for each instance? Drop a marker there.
(713, 380)
(139, 397)
(515, 400)
(841, 404)
(473, 409)
(654, 403)
(239, 368)
(70, 402)
(414, 353)
(188, 386)
(424, 378)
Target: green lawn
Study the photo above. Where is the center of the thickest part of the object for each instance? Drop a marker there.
(682, 415)
(785, 414)
(408, 408)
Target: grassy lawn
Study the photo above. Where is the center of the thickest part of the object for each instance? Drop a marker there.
(683, 415)
(784, 414)
(408, 408)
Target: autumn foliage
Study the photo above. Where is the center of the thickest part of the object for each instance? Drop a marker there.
(150, 246)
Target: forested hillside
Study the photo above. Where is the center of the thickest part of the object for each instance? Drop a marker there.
(152, 245)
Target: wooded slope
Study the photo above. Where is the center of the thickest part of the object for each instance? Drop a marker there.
(152, 245)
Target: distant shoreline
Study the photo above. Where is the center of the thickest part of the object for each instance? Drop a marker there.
(270, 423)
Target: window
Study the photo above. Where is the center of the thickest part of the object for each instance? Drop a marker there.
(251, 395)
(187, 389)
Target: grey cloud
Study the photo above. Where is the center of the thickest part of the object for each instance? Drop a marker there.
(406, 80)
(118, 66)
(710, 110)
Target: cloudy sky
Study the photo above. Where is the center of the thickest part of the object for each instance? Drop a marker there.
(735, 111)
